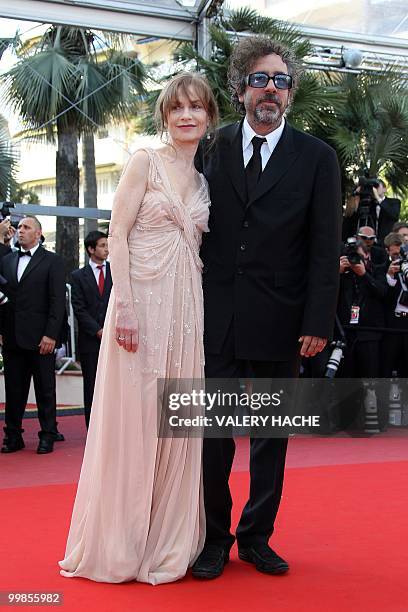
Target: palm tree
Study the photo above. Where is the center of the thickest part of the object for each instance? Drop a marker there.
(8, 162)
(89, 179)
(62, 87)
(370, 130)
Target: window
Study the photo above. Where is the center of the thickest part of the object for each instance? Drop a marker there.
(103, 184)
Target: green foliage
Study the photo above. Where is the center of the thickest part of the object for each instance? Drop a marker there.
(22, 195)
(8, 161)
(63, 77)
(369, 129)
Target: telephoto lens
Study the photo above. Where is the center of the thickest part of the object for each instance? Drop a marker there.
(334, 359)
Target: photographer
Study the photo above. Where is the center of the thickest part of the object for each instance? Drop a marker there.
(363, 288)
(370, 206)
(395, 345)
(376, 254)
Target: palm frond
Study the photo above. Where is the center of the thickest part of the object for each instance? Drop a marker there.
(8, 161)
(240, 20)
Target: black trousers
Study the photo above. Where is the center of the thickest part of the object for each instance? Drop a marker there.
(19, 367)
(395, 348)
(89, 364)
(267, 461)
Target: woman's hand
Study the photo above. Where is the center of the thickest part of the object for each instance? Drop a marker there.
(127, 329)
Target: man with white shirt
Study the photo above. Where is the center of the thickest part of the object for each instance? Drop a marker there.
(91, 287)
(270, 279)
(31, 324)
(387, 211)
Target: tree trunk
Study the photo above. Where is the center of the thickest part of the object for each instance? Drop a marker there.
(67, 187)
(90, 185)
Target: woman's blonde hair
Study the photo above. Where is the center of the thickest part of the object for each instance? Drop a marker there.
(180, 84)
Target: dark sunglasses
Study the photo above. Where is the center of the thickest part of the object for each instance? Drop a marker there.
(364, 237)
(261, 79)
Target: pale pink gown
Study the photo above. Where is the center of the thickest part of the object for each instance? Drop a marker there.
(138, 513)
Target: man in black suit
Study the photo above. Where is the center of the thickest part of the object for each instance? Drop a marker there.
(363, 288)
(373, 252)
(31, 324)
(395, 345)
(91, 287)
(270, 279)
(383, 212)
(387, 211)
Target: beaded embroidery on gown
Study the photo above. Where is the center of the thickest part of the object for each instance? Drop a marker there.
(139, 513)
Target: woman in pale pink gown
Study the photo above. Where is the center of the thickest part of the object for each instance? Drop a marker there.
(138, 513)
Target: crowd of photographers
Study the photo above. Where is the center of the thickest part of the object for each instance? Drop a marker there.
(370, 339)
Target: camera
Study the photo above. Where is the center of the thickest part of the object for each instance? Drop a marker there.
(367, 200)
(350, 251)
(364, 191)
(5, 213)
(5, 209)
(403, 261)
(335, 358)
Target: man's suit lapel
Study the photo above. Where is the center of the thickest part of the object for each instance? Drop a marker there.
(35, 260)
(13, 267)
(91, 280)
(108, 280)
(233, 159)
(278, 164)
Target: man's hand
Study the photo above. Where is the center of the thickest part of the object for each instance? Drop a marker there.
(393, 269)
(377, 195)
(99, 333)
(344, 264)
(47, 345)
(358, 269)
(4, 230)
(311, 345)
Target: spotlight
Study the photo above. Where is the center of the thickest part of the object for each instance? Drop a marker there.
(351, 58)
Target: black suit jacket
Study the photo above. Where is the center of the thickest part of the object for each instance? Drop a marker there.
(391, 300)
(271, 262)
(369, 293)
(89, 306)
(4, 250)
(36, 305)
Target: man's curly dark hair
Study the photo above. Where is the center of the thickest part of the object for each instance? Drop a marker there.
(244, 56)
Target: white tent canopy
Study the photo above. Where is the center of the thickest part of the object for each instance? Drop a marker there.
(159, 18)
(379, 28)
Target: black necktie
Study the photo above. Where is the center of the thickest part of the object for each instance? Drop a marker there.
(254, 167)
(22, 253)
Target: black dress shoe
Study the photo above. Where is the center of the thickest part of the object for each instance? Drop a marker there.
(11, 445)
(59, 437)
(264, 558)
(45, 446)
(210, 563)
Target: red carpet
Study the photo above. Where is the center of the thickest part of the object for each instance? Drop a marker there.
(343, 528)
